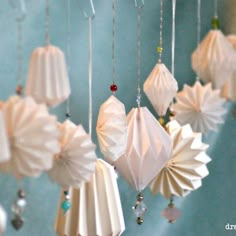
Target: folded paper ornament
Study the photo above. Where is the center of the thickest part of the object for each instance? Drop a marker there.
(32, 135)
(160, 88)
(215, 59)
(76, 160)
(200, 106)
(187, 167)
(96, 207)
(4, 150)
(48, 80)
(148, 149)
(229, 88)
(3, 220)
(112, 129)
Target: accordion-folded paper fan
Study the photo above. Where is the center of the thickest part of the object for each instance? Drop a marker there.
(96, 207)
(215, 59)
(229, 88)
(4, 150)
(112, 129)
(76, 160)
(160, 88)
(148, 149)
(48, 80)
(32, 135)
(187, 167)
(200, 106)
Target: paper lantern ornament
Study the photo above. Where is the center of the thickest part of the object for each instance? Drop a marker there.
(200, 106)
(96, 207)
(76, 160)
(48, 80)
(160, 88)
(229, 89)
(112, 129)
(3, 220)
(4, 150)
(32, 135)
(187, 166)
(149, 148)
(215, 59)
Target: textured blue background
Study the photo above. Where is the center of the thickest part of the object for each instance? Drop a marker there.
(206, 211)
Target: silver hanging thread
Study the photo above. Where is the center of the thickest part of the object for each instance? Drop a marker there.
(90, 66)
(198, 33)
(216, 8)
(113, 44)
(68, 52)
(47, 22)
(138, 99)
(160, 47)
(173, 38)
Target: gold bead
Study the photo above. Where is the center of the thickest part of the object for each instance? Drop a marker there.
(162, 121)
(139, 220)
(159, 50)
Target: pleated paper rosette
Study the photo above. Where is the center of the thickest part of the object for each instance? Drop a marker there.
(229, 88)
(160, 88)
(214, 60)
(187, 167)
(148, 149)
(76, 160)
(32, 135)
(96, 207)
(112, 129)
(4, 150)
(48, 80)
(200, 106)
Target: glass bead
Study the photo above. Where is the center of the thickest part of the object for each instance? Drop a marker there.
(171, 213)
(159, 50)
(66, 205)
(139, 209)
(17, 222)
(19, 90)
(21, 193)
(113, 88)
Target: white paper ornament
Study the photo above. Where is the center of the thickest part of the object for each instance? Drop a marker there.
(187, 166)
(160, 88)
(76, 161)
(229, 89)
(112, 129)
(3, 220)
(200, 106)
(48, 80)
(4, 150)
(214, 60)
(32, 135)
(148, 149)
(96, 207)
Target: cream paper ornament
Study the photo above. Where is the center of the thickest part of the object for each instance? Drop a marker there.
(76, 160)
(4, 150)
(214, 60)
(200, 106)
(148, 149)
(3, 220)
(160, 88)
(96, 207)
(48, 80)
(32, 135)
(229, 88)
(112, 129)
(187, 167)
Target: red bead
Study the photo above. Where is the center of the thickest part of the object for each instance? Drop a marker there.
(113, 87)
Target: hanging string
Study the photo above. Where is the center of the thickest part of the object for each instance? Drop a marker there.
(90, 74)
(68, 53)
(215, 8)
(113, 43)
(215, 20)
(160, 48)
(198, 33)
(138, 100)
(173, 38)
(47, 22)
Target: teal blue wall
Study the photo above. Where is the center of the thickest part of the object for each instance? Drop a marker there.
(206, 211)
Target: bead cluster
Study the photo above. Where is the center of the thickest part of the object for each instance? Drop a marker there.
(139, 209)
(66, 205)
(18, 208)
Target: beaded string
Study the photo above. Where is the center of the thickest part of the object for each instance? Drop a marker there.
(113, 87)
(160, 48)
(198, 33)
(68, 53)
(47, 22)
